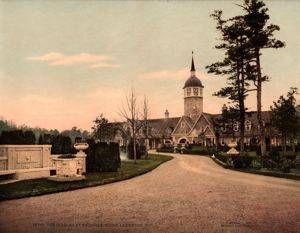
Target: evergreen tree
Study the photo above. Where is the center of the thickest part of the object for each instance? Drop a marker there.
(260, 36)
(235, 66)
(29, 137)
(284, 117)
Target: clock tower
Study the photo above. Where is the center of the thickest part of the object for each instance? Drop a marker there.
(193, 95)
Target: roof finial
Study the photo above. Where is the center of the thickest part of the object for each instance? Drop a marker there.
(192, 66)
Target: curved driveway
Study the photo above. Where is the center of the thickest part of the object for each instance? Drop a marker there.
(186, 194)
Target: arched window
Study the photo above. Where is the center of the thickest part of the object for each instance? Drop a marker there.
(224, 128)
(196, 92)
(183, 140)
(188, 91)
(236, 126)
(248, 125)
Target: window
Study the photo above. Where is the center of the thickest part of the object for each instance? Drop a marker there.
(222, 142)
(248, 125)
(247, 141)
(188, 92)
(236, 127)
(224, 128)
(182, 124)
(264, 125)
(196, 91)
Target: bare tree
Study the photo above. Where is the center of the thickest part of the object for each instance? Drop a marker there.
(130, 113)
(146, 116)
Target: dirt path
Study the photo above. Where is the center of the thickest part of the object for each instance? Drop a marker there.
(186, 194)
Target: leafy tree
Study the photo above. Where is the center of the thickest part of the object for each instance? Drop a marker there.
(284, 117)
(6, 126)
(261, 36)
(102, 130)
(75, 133)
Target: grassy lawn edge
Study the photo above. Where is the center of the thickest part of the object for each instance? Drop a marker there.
(259, 172)
(37, 187)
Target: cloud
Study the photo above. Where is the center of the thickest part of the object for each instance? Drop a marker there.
(91, 60)
(178, 74)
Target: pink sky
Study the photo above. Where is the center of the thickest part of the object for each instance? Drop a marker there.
(62, 68)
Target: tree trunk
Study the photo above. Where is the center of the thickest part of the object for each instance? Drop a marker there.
(242, 109)
(146, 147)
(293, 146)
(134, 143)
(259, 94)
(134, 149)
(242, 132)
(283, 145)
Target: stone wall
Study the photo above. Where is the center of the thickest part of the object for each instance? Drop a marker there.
(25, 161)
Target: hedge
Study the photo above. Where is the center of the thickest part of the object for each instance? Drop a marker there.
(102, 157)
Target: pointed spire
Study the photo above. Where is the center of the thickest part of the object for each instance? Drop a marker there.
(193, 66)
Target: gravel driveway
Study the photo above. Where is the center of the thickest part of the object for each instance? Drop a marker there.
(186, 194)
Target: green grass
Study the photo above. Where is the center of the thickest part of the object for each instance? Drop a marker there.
(294, 174)
(37, 187)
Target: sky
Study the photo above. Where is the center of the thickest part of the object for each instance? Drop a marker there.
(63, 63)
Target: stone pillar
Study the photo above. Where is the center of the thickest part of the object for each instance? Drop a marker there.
(81, 166)
(82, 162)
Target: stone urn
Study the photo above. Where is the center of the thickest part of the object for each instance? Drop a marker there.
(232, 150)
(81, 146)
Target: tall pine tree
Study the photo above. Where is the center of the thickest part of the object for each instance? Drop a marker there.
(261, 36)
(236, 66)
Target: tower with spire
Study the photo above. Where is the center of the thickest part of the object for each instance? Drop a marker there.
(193, 94)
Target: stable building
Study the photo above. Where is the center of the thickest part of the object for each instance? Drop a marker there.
(196, 126)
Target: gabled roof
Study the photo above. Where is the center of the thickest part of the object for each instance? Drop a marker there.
(187, 120)
(208, 119)
(159, 126)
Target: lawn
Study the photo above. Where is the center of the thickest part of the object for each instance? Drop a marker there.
(36, 187)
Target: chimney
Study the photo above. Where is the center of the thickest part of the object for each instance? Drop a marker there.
(167, 114)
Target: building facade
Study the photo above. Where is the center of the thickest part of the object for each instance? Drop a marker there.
(196, 126)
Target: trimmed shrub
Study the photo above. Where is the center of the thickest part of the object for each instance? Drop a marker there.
(166, 149)
(102, 157)
(222, 157)
(17, 137)
(14, 137)
(247, 161)
(237, 161)
(130, 151)
(242, 161)
(61, 144)
(143, 150)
